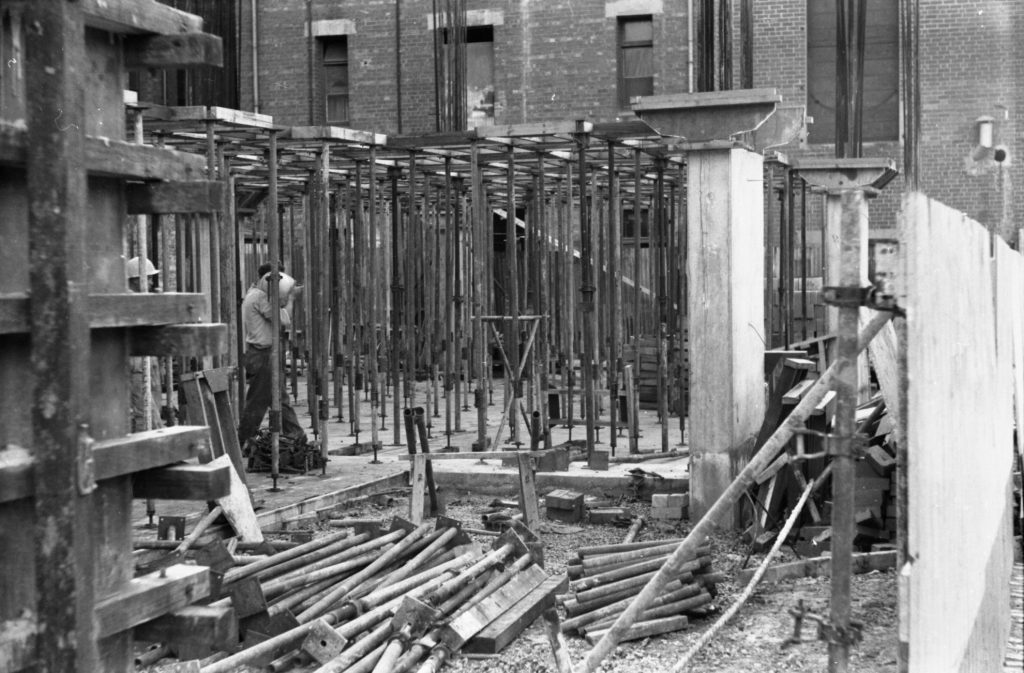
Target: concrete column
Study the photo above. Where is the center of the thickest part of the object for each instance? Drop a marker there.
(725, 273)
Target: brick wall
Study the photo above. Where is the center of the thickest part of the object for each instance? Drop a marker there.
(557, 61)
(969, 66)
(553, 61)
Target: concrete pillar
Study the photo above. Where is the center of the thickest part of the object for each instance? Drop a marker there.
(725, 272)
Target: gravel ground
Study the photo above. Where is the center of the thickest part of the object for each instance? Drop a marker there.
(750, 643)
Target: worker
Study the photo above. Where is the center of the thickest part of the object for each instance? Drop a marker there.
(143, 368)
(257, 324)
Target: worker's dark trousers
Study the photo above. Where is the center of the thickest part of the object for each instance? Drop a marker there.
(257, 398)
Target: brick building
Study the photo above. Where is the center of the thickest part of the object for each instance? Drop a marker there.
(321, 61)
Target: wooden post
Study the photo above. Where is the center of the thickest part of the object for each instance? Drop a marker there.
(482, 227)
(357, 319)
(684, 319)
(459, 303)
(637, 294)
(396, 301)
(852, 273)
(512, 342)
(615, 274)
(339, 313)
(543, 303)
(273, 291)
(229, 260)
(569, 289)
(323, 299)
(54, 72)
(725, 221)
(373, 336)
(587, 291)
(214, 232)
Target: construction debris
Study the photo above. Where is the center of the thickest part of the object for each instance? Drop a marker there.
(377, 600)
(605, 579)
(297, 454)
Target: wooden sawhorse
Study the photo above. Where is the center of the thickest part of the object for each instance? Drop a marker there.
(527, 480)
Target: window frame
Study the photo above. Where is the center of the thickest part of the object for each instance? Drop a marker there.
(819, 135)
(620, 48)
(325, 63)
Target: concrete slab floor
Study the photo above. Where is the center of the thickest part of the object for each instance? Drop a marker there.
(669, 474)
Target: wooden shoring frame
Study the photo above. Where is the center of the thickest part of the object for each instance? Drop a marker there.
(439, 177)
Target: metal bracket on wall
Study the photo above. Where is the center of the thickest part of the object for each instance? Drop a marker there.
(855, 297)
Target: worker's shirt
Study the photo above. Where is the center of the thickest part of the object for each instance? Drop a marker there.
(257, 317)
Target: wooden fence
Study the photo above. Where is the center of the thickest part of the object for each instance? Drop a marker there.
(964, 384)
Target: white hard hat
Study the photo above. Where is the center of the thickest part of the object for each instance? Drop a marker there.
(132, 267)
(285, 285)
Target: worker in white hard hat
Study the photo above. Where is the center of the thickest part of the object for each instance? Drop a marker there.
(145, 371)
(257, 317)
(152, 275)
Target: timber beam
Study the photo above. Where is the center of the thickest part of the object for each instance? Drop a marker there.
(130, 309)
(173, 51)
(111, 457)
(152, 595)
(184, 482)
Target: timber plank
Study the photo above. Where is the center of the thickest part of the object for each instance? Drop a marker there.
(478, 455)
(119, 159)
(273, 518)
(150, 596)
(146, 450)
(129, 309)
(193, 339)
(138, 16)
(503, 630)
(797, 392)
(192, 625)
(333, 133)
(460, 629)
(821, 565)
(192, 196)
(203, 113)
(173, 51)
(184, 482)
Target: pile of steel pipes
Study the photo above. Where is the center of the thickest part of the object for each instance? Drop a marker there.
(605, 579)
(373, 603)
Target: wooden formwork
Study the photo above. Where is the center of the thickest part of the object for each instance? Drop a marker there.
(68, 326)
(964, 385)
(402, 246)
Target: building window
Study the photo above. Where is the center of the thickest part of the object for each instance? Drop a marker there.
(881, 71)
(479, 76)
(335, 80)
(636, 58)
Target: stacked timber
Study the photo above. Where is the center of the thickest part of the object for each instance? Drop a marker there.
(371, 601)
(604, 580)
(647, 373)
(806, 461)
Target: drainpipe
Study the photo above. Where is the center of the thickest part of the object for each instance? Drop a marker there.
(255, 60)
(309, 58)
(398, 62)
(689, 43)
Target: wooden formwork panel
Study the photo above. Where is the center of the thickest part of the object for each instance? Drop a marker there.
(959, 433)
(65, 535)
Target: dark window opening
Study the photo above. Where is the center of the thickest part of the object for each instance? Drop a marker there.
(335, 80)
(881, 71)
(636, 58)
